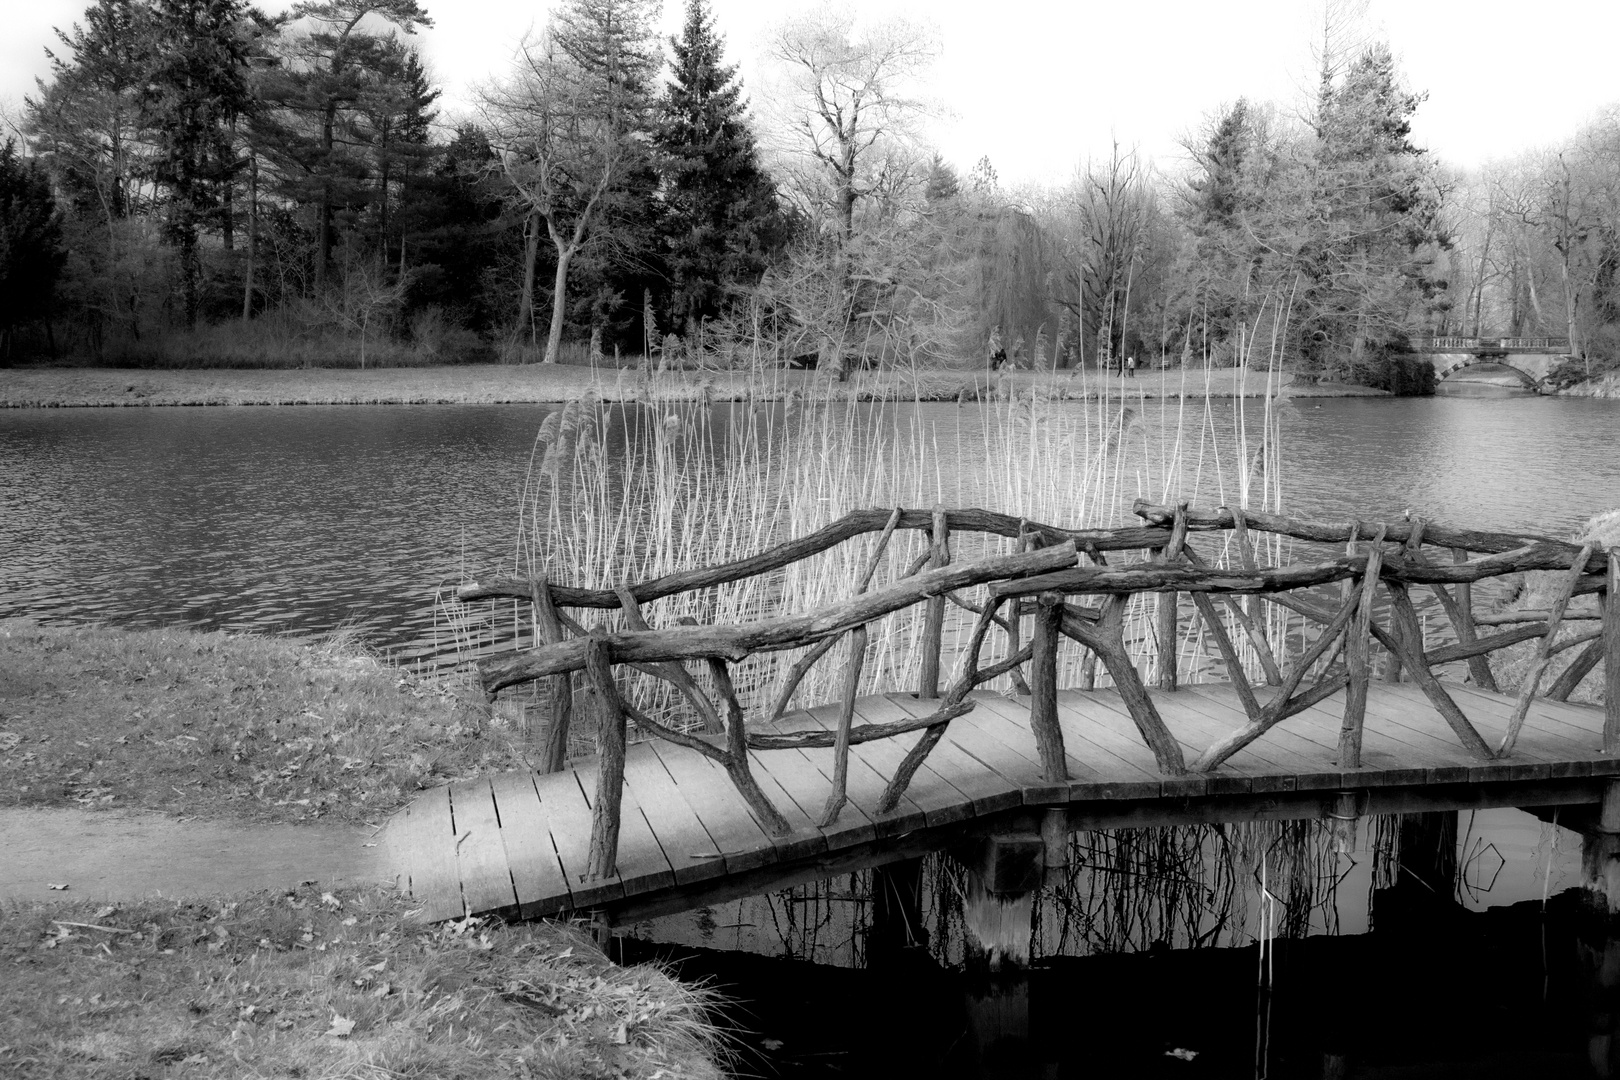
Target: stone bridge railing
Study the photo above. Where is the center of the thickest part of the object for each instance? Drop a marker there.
(1489, 344)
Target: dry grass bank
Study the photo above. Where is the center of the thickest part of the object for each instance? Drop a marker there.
(209, 724)
(1604, 386)
(313, 984)
(487, 384)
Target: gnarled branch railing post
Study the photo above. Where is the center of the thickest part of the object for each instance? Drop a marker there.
(933, 643)
(548, 628)
(736, 759)
(1167, 627)
(1532, 677)
(1043, 669)
(604, 851)
(1357, 664)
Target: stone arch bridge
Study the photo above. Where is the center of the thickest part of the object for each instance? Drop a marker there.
(1532, 359)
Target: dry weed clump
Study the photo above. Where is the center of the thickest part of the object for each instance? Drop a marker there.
(211, 724)
(320, 984)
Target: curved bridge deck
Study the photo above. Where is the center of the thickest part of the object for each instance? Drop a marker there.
(517, 842)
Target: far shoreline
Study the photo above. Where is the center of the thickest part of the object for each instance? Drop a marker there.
(503, 384)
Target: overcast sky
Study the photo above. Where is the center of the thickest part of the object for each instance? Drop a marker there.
(1039, 86)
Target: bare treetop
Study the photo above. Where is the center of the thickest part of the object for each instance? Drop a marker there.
(850, 86)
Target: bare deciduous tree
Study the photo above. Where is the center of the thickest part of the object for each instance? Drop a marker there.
(569, 128)
(850, 93)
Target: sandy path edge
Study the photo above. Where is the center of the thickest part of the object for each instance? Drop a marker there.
(131, 854)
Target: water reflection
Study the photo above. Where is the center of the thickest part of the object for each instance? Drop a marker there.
(1256, 950)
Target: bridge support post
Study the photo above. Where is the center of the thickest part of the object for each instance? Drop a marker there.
(1003, 875)
(1055, 839)
(1343, 819)
(1600, 852)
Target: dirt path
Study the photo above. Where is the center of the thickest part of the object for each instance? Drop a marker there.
(129, 854)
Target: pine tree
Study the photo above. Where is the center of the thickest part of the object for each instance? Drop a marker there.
(85, 122)
(1373, 236)
(453, 218)
(721, 217)
(31, 253)
(195, 91)
(398, 106)
(313, 123)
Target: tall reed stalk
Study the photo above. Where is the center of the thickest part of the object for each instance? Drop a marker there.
(620, 493)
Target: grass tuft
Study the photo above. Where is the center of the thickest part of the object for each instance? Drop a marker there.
(217, 725)
(332, 985)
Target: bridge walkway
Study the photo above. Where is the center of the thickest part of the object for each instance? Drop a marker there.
(517, 842)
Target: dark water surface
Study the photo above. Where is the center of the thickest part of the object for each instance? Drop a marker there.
(301, 519)
(264, 519)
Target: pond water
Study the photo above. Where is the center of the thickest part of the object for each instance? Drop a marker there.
(298, 520)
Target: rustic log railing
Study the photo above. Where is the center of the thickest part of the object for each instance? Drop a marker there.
(1043, 578)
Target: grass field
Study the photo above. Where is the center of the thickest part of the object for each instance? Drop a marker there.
(214, 725)
(301, 984)
(43, 387)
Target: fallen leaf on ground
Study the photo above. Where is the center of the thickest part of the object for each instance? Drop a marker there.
(341, 1026)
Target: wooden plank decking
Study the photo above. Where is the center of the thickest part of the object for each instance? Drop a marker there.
(518, 841)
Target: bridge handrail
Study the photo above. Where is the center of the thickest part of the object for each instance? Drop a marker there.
(1464, 344)
(1038, 582)
(846, 528)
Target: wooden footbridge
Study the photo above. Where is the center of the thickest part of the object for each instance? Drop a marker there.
(1337, 713)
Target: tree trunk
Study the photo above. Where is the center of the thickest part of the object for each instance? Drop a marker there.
(323, 228)
(559, 304)
(531, 252)
(252, 238)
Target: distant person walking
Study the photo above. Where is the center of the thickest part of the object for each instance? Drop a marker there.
(1130, 367)
(996, 352)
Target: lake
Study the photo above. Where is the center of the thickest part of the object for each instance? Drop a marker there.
(298, 520)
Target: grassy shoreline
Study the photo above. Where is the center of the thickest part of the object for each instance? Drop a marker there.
(255, 729)
(346, 982)
(493, 384)
(338, 983)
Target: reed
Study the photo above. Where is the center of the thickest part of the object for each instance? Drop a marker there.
(617, 493)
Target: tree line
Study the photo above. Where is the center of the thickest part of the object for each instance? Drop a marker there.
(196, 170)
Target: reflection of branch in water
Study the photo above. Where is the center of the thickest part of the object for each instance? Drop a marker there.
(1124, 890)
(823, 922)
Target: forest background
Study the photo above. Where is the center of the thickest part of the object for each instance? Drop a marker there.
(200, 183)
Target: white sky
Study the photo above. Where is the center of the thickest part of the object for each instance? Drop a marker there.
(1038, 86)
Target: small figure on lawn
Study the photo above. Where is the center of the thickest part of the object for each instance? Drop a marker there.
(1130, 367)
(995, 351)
